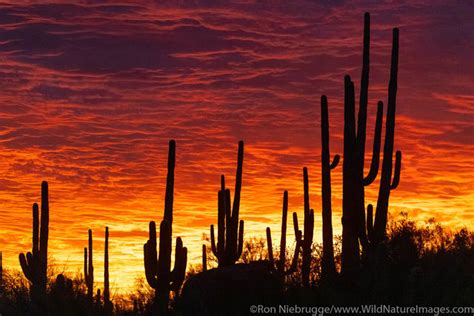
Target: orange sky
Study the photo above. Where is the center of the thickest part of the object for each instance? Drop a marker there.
(91, 94)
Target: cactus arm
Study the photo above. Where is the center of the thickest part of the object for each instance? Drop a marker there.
(179, 270)
(168, 215)
(241, 240)
(150, 256)
(221, 219)
(213, 243)
(295, 223)
(26, 266)
(335, 162)
(396, 173)
(374, 165)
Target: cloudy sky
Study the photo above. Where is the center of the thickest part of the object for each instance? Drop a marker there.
(92, 92)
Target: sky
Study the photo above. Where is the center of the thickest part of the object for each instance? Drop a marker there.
(91, 93)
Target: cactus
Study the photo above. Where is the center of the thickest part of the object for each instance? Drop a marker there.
(204, 258)
(230, 232)
(308, 228)
(328, 267)
(158, 269)
(34, 264)
(354, 218)
(107, 303)
(386, 182)
(280, 265)
(89, 269)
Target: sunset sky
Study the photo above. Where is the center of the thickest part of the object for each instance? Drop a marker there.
(91, 94)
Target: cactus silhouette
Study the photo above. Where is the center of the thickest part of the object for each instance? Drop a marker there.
(230, 234)
(107, 303)
(34, 264)
(354, 217)
(158, 266)
(328, 267)
(204, 258)
(89, 269)
(386, 182)
(280, 265)
(308, 229)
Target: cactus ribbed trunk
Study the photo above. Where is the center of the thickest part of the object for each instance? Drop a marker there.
(328, 266)
(158, 265)
(230, 232)
(350, 244)
(34, 265)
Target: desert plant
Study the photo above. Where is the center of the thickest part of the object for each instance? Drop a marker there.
(158, 267)
(281, 263)
(230, 232)
(328, 267)
(354, 217)
(308, 230)
(34, 264)
(89, 269)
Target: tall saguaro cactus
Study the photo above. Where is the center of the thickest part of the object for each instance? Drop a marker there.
(34, 264)
(89, 268)
(354, 182)
(308, 230)
(230, 234)
(386, 182)
(280, 264)
(158, 265)
(328, 267)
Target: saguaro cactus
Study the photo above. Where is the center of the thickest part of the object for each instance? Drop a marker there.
(328, 267)
(89, 269)
(34, 264)
(158, 269)
(280, 265)
(308, 228)
(386, 182)
(354, 181)
(230, 234)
